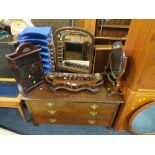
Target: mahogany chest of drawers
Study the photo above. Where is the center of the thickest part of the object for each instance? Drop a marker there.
(78, 108)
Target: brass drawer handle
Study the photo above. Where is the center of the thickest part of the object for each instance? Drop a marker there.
(50, 104)
(91, 122)
(93, 113)
(51, 112)
(52, 120)
(94, 106)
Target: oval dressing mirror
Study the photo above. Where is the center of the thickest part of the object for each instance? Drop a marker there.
(117, 59)
(115, 67)
(143, 120)
(74, 50)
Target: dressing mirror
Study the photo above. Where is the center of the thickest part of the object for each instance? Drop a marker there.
(116, 64)
(143, 120)
(74, 50)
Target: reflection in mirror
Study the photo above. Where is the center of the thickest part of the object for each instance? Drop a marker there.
(74, 49)
(143, 120)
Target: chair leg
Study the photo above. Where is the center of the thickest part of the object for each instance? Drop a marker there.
(22, 113)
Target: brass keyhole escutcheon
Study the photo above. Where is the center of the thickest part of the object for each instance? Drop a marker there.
(50, 104)
(93, 113)
(94, 106)
(51, 112)
(52, 120)
(91, 122)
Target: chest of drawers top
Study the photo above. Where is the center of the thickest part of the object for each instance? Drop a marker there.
(43, 93)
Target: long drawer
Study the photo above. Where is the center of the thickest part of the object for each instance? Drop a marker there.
(75, 121)
(74, 113)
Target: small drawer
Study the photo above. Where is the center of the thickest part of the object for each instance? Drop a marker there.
(57, 105)
(47, 105)
(75, 121)
(46, 108)
(95, 106)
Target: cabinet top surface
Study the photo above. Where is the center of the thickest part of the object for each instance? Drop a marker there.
(43, 93)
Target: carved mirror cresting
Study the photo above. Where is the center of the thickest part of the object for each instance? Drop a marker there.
(143, 120)
(116, 65)
(74, 50)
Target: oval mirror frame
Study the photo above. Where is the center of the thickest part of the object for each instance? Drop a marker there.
(142, 108)
(76, 30)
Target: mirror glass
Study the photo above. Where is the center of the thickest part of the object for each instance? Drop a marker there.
(144, 120)
(117, 59)
(74, 49)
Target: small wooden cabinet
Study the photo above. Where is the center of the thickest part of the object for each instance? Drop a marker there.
(79, 108)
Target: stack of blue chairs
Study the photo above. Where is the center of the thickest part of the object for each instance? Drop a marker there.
(41, 36)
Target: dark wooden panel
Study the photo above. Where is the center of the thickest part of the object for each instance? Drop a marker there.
(100, 60)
